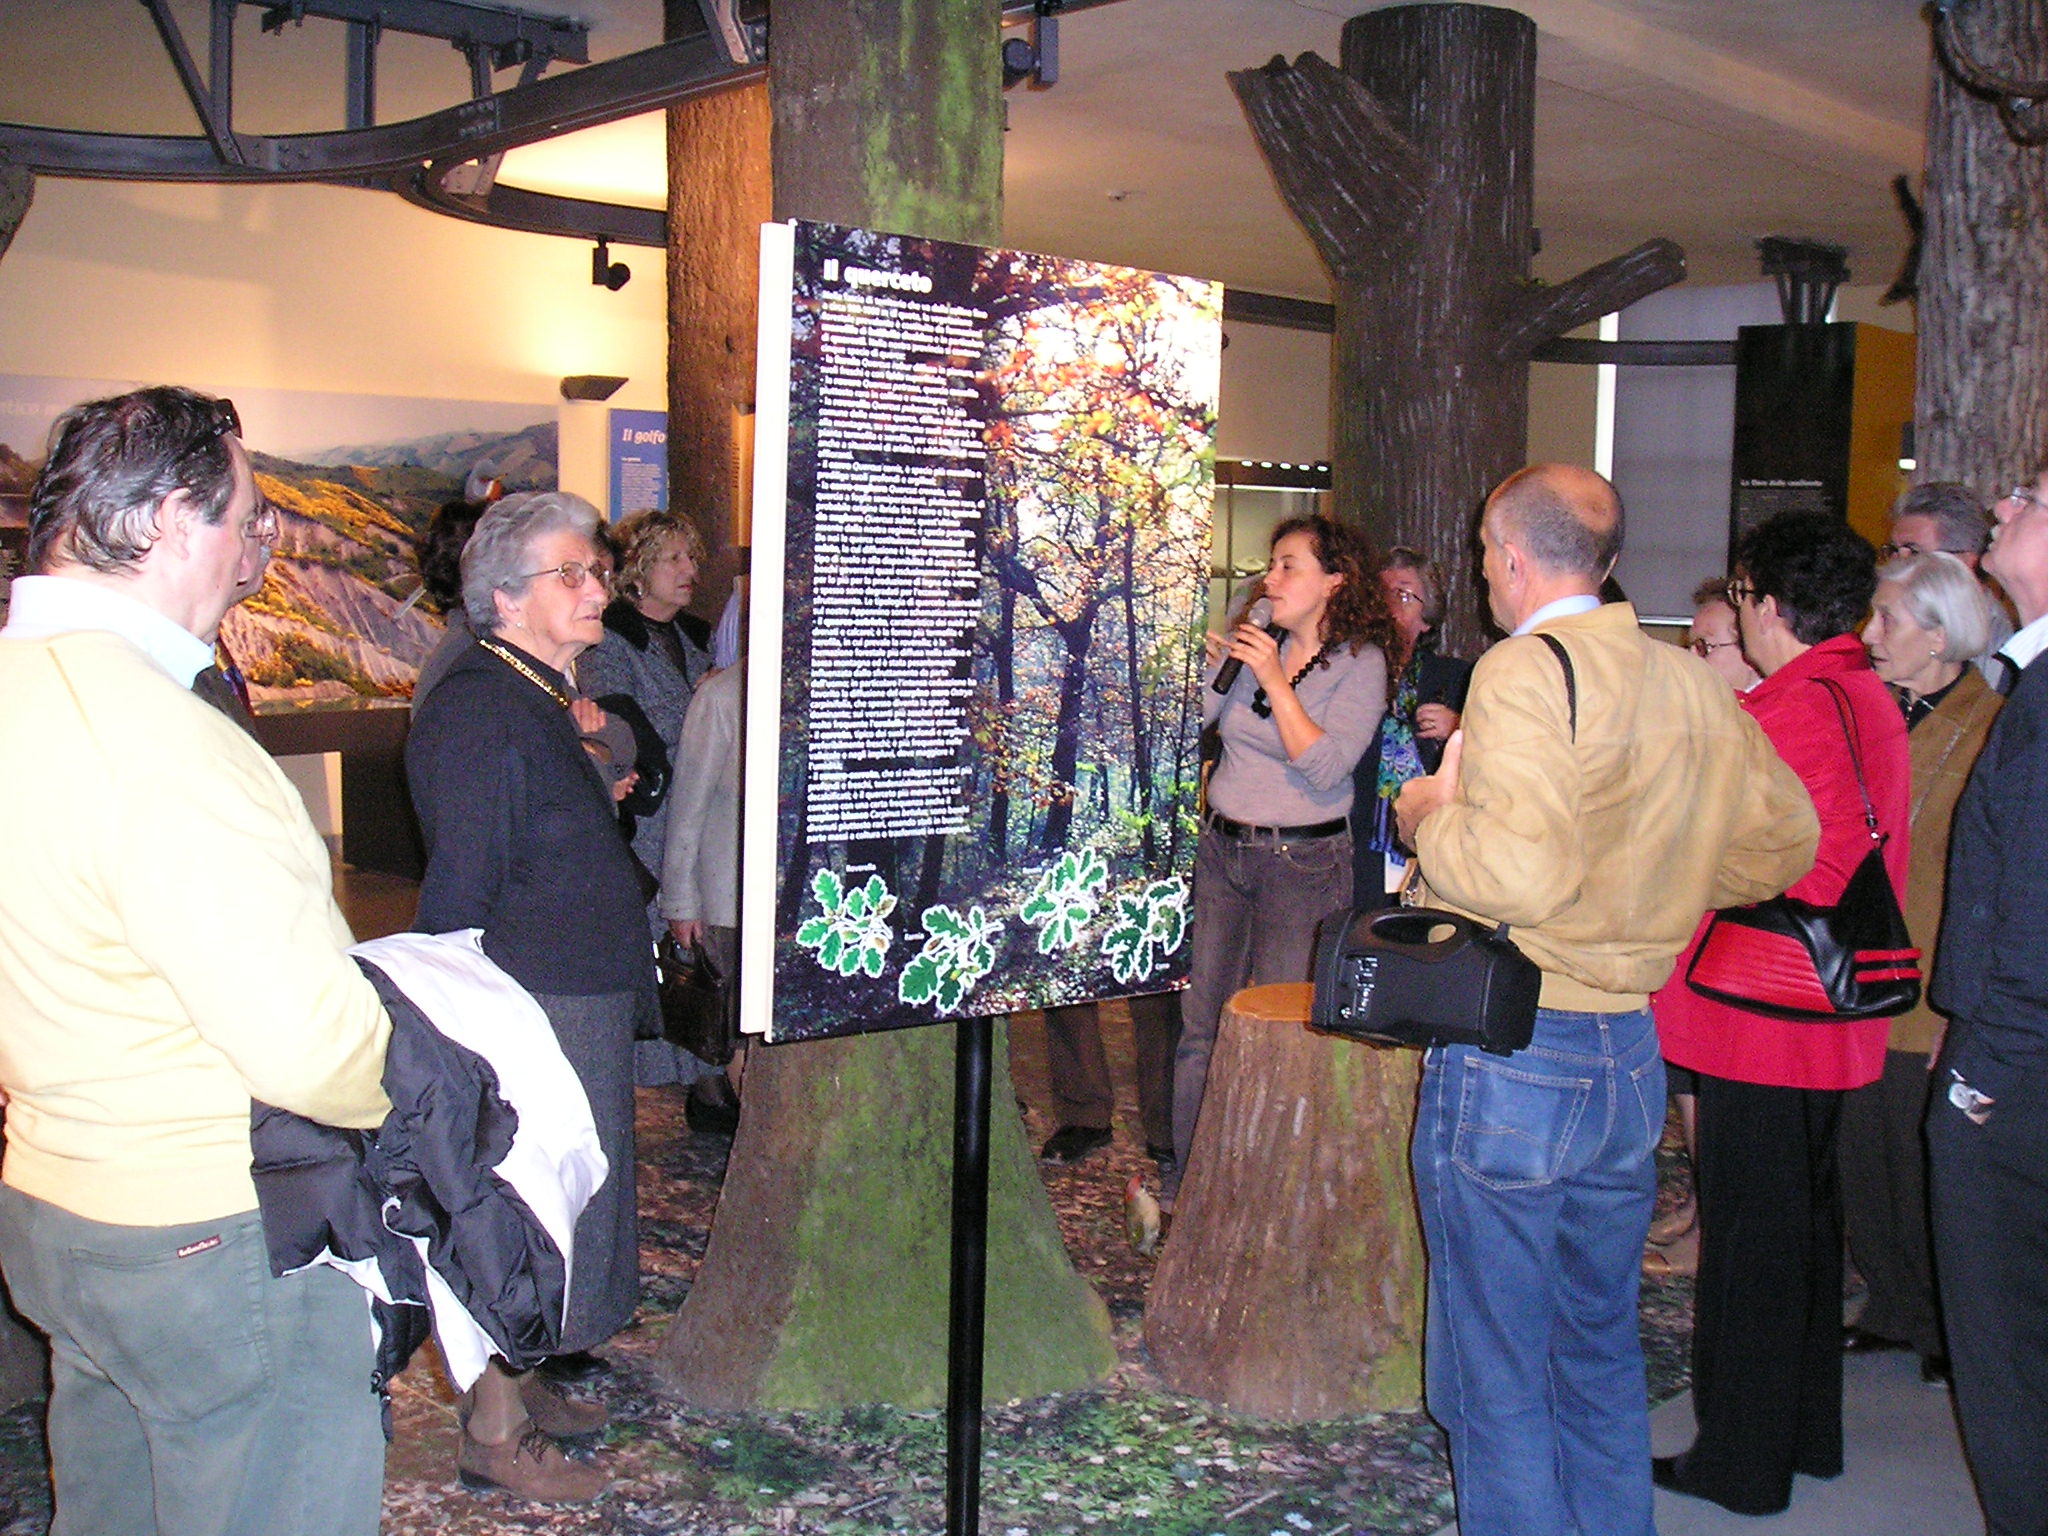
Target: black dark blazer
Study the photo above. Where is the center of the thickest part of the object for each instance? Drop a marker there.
(1992, 974)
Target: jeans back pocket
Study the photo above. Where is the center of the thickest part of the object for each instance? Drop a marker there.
(1515, 1125)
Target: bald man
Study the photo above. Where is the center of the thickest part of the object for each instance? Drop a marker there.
(1597, 801)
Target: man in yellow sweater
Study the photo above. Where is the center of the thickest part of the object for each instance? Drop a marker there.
(169, 950)
(1598, 812)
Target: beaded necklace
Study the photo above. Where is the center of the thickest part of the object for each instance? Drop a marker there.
(1263, 707)
(505, 654)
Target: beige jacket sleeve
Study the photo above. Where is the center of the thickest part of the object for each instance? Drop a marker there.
(1775, 833)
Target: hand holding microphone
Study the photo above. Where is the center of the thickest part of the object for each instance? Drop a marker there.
(1259, 616)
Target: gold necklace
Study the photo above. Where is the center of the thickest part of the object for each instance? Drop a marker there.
(504, 653)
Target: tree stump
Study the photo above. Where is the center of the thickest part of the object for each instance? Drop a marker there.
(1291, 1287)
(1412, 169)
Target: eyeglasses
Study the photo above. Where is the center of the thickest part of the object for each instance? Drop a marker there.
(1891, 549)
(2023, 494)
(1706, 648)
(1403, 595)
(263, 526)
(1738, 592)
(574, 573)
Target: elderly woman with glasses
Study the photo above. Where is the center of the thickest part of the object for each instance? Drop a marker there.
(1930, 617)
(1426, 695)
(522, 842)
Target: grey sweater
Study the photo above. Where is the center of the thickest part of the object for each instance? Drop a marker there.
(1254, 781)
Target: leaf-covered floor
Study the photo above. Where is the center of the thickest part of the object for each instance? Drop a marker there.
(1127, 1457)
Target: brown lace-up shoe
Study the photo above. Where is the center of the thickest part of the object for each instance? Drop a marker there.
(531, 1466)
(555, 1413)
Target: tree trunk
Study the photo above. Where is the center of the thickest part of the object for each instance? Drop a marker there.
(718, 201)
(17, 191)
(1412, 170)
(1981, 396)
(826, 1276)
(1292, 1286)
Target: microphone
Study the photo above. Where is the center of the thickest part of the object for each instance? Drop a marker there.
(1260, 614)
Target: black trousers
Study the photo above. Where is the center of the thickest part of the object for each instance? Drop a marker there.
(1767, 1329)
(1990, 1197)
(1884, 1193)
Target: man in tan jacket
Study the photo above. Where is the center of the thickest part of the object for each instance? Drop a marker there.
(169, 950)
(1598, 811)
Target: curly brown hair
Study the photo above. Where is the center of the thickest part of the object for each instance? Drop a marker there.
(643, 537)
(1357, 614)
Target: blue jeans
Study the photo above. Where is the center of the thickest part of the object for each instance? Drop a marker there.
(1535, 1178)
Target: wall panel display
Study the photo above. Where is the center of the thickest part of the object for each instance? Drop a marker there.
(638, 467)
(981, 554)
(355, 479)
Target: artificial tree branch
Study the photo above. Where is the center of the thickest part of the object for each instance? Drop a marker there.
(1538, 314)
(1347, 173)
(17, 191)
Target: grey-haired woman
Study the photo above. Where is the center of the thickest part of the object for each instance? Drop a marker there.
(522, 842)
(1930, 617)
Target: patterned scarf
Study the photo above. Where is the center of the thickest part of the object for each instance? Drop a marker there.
(1400, 758)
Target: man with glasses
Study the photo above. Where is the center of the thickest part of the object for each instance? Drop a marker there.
(169, 951)
(1942, 515)
(1987, 1129)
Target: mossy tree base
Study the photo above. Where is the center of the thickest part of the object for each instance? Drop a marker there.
(1292, 1285)
(825, 1283)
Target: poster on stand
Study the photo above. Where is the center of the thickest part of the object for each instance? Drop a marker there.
(980, 558)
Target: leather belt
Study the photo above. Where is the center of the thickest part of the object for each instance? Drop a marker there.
(1244, 830)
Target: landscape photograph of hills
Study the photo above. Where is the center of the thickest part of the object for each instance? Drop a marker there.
(335, 624)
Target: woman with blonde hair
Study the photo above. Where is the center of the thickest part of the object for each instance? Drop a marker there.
(646, 669)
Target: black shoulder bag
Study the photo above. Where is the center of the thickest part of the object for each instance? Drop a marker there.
(1423, 976)
(1789, 959)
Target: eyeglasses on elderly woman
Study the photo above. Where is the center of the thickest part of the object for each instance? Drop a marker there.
(573, 573)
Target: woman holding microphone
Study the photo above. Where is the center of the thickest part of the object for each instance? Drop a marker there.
(1297, 690)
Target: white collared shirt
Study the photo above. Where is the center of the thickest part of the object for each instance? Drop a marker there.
(1580, 602)
(2029, 642)
(40, 607)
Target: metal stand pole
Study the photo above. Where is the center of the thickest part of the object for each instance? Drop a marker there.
(969, 1294)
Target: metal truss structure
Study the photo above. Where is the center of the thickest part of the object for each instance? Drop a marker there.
(446, 161)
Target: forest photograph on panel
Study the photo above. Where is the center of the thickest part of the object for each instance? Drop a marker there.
(1007, 460)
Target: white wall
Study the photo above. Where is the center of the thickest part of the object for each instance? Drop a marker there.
(1674, 435)
(321, 288)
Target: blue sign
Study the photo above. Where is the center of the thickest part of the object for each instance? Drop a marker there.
(639, 461)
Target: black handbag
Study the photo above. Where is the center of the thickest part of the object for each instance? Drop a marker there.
(1423, 976)
(1790, 959)
(699, 1004)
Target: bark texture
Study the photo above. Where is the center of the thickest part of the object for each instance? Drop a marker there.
(1411, 167)
(718, 199)
(826, 1276)
(17, 191)
(1292, 1286)
(1981, 392)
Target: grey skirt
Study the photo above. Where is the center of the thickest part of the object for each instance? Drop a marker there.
(596, 1034)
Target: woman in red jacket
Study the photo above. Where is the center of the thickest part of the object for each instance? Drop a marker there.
(1767, 1327)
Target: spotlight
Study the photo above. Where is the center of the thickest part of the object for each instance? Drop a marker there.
(590, 386)
(606, 273)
